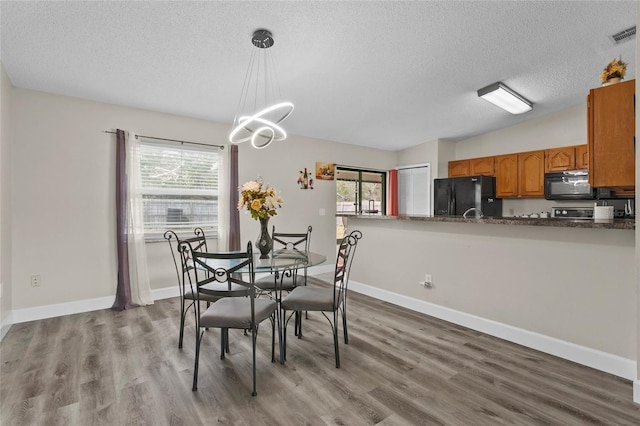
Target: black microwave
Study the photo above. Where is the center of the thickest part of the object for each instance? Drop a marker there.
(568, 185)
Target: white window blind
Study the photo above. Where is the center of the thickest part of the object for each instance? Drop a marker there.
(414, 190)
(179, 188)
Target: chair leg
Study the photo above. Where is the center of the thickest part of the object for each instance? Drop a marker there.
(298, 324)
(183, 314)
(273, 338)
(335, 337)
(195, 367)
(344, 324)
(253, 348)
(223, 342)
(283, 354)
(226, 339)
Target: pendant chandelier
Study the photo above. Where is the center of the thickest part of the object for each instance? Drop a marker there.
(260, 109)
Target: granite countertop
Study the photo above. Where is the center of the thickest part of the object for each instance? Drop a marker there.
(517, 221)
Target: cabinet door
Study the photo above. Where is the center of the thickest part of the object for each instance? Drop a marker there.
(459, 168)
(531, 174)
(582, 156)
(481, 166)
(506, 167)
(560, 159)
(611, 119)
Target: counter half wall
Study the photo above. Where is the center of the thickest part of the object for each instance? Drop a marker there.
(556, 289)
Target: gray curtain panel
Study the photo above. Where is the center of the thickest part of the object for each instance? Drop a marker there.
(234, 214)
(123, 291)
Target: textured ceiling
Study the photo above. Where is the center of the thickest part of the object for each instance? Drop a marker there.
(389, 74)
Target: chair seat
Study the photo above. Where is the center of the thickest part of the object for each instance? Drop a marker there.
(235, 312)
(269, 283)
(310, 299)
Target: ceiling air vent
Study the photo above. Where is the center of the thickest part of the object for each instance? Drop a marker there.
(624, 35)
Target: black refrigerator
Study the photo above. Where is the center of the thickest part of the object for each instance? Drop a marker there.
(454, 196)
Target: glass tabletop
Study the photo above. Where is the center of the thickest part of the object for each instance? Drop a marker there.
(278, 260)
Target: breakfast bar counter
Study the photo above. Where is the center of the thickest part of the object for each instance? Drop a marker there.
(629, 224)
(571, 281)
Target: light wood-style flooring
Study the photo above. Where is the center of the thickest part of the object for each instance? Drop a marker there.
(400, 368)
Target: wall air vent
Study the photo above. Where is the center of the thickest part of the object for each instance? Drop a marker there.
(624, 35)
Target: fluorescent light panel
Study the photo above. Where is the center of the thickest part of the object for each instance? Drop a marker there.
(500, 95)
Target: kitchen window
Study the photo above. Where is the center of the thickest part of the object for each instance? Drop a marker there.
(179, 186)
(360, 191)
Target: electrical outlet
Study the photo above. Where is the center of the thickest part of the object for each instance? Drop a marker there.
(36, 281)
(427, 279)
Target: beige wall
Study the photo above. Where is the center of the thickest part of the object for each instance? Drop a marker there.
(5, 197)
(279, 166)
(637, 254)
(64, 223)
(564, 128)
(577, 285)
(572, 284)
(64, 197)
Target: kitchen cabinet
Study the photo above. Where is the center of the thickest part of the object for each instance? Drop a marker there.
(566, 158)
(611, 133)
(481, 166)
(560, 159)
(459, 168)
(506, 168)
(582, 157)
(531, 174)
(520, 175)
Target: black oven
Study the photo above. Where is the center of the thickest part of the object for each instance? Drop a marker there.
(568, 185)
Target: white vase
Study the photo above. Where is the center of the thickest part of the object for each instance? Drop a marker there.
(611, 81)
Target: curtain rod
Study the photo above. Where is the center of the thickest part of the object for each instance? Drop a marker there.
(170, 140)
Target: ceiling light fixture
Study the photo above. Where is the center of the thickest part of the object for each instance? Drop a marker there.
(500, 95)
(260, 124)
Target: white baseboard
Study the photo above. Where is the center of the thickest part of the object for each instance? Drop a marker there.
(79, 306)
(636, 391)
(165, 293)
(6, 325)
(87, 305)
(593, 358)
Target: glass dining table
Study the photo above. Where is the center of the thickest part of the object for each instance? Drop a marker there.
(279, 263)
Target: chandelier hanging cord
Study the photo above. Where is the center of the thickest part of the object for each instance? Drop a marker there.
(257, 126)
(244, 94)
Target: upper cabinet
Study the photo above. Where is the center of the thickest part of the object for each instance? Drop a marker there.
(459, 168)
(506, 167)
(566, 158)
(481, 166)
(520, 175)
(531, 174)
(611, 132)
(582, 157)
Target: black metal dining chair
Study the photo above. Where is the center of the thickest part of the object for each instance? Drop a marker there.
(221, 275)
(356, 236)
(183, 263)
(287, 280)
(324, 299)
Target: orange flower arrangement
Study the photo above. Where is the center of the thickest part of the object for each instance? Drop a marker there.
(615, 68)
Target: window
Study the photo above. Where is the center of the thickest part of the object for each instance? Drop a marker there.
(179, 188)
(414, 190)
(360, 191)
